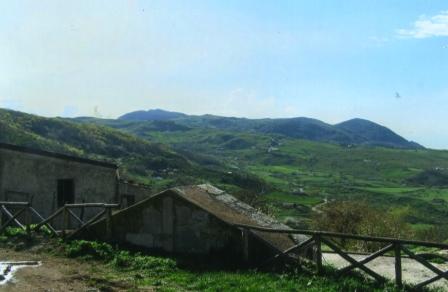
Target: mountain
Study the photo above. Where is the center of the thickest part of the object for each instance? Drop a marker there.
(308, 129)
(374, 134)
(352, 132)
(143, 160)
(151, 115)
(87, 140)
(285, 166)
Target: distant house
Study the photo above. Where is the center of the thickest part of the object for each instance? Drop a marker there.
(197, 220)
(50, 180)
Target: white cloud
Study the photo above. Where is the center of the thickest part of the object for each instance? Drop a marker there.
(426, 27)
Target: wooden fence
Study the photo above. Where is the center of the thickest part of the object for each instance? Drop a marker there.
(24, 209)
(319, 239)
(316, 239)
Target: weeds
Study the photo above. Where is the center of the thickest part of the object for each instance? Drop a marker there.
(165, 275)
(120, 259)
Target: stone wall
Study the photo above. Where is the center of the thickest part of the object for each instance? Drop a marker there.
(26, 176)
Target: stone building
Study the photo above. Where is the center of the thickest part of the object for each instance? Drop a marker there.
(196, 220)
(49, 180)
(132, 192)
(190, 220)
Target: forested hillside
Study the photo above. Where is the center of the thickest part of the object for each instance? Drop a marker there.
(355, 131)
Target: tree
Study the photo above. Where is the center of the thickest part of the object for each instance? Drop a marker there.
(361, 219)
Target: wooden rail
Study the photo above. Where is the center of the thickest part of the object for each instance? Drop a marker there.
(66, 212)
(317, 239)
(392, 245)
(23, 208)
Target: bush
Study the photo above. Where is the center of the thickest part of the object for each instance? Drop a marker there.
(89, 249)
(433, 233)
(118, 258)
(14, 232)
(361, 219)
(156, 264)
(124, 259)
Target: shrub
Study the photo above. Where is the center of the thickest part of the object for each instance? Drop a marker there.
(362, 219)
(124, 259)
(118, 258)
(156, 264)
(89, 249)
(433, 233)
(14, 232)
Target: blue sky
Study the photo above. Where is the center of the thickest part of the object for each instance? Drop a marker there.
(331, 60)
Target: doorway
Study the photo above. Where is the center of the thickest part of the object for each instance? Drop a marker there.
(66, 192)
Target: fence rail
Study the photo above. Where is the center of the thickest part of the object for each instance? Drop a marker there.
(14, 211)
(25, 209)
(318, 239)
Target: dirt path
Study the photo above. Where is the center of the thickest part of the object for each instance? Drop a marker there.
(56, 274)
(319, 206)
(413, 272)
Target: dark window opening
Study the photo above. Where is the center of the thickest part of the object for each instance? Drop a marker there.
(66, 192)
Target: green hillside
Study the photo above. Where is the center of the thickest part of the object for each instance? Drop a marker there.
(355, 131)
(301, 174)
(145, 161)
(285, 176)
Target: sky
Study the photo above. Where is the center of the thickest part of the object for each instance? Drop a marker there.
(382, 60)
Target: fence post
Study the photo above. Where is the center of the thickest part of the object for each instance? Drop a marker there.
(246, 245)
(318, 254)
(81, 215)
(108, 222)
(28, 222)
(398, 270)
(65, 222)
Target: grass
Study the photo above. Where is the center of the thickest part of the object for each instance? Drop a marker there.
(297, 199)
(391, 191)
(139, 271)
(143, 271)
(166, 274)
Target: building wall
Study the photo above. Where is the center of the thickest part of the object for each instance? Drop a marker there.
(25, 176)
(130, 192)
(174, 225)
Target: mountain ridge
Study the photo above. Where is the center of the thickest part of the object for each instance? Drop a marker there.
(151, 115)
(355, 131)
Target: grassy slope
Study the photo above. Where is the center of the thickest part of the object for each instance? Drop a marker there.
(145, 161)
(108, 265)
(273, 165)
(322, 170)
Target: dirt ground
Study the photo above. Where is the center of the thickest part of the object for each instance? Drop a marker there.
(57, 274)
(413, 272)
